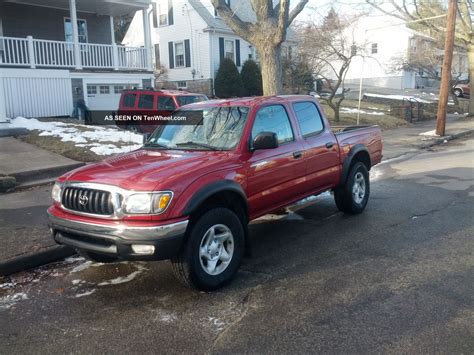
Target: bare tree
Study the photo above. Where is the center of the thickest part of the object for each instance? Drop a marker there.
(420, 10)
(267, 35)
(329, 50)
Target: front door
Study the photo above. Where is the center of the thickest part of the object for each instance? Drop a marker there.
(275, 175)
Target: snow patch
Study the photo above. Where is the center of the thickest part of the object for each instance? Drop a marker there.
(398, 97)
(124, 279)
(83, 294)
(10, 300)
(429, 134)
(96, 138)
(354, 111)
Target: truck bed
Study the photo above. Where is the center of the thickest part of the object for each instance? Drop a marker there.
(369, 135)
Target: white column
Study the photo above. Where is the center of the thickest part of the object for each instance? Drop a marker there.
(75, 34)
(114, 45)
(31, 52)
(147, 38)
(3, 113)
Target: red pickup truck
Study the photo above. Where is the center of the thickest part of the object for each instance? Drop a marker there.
(189, 193)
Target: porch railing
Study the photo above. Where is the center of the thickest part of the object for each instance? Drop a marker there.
(30, 52)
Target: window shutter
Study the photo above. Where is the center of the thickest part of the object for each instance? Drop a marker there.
(221, 48)
(187, 53)
(155, 15)
(171, 54)
(157, 56)
(237, 52)
(170, 12)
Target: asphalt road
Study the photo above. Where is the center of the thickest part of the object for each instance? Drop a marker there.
(399, 279)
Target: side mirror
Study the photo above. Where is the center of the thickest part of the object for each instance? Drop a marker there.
(265, 140)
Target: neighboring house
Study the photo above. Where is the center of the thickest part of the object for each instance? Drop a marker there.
(385, 40)
(56, 53)
(190, 39)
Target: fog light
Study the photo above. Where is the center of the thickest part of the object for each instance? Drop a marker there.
(143, 249)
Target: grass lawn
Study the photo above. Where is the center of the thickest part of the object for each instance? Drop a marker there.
(371, 113)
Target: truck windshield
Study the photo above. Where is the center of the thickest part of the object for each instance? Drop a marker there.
(221, 129)
(190, 99)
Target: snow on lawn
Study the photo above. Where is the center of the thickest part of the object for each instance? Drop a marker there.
(398, 97)
(354, 110)
(100, 140)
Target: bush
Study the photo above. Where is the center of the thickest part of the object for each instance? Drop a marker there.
(228, 82)
(251, 78)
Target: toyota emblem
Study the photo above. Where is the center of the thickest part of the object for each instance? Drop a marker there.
(83, 200)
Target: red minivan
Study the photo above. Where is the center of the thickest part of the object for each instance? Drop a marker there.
(163, 102)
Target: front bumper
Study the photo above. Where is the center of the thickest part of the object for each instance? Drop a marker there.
(117, 239)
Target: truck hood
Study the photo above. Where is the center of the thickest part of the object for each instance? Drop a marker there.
(146, 170)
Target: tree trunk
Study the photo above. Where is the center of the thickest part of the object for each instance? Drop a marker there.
(270, 62)
(470, 54)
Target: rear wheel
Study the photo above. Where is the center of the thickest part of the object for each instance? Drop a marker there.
(354, 195)
(213, 250)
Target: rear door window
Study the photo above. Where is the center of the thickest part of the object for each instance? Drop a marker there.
(146, 101)
(129, 100)
(166, 103)
(308, 117)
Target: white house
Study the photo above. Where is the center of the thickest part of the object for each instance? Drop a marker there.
(55, 54)
(190, 39)
(383, 39)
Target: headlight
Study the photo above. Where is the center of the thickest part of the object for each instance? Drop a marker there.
(56, 192)
(146, 203)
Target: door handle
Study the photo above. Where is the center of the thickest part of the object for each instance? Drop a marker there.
(329, 145)
(297, 155)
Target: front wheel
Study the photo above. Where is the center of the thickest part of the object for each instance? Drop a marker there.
(213, 251)
(354, 195)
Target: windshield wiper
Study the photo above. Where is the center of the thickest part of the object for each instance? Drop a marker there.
(155, 145)
(196, 144)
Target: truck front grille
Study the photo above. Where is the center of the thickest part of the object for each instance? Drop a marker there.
(88, 200)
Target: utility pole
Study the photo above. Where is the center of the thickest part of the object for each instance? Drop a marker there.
(444, 88)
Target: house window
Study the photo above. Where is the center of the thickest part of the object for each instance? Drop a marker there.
(179, 54)
(353, 50)
(413, 45)
(229, 51)
(374, 48)
(104, 89)
(118, 89)
(81, 29)
(162, 15)
(91, 90)
(215, 11)
(182, 84)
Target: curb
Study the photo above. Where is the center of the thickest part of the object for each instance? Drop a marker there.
(441, 140)
(46, 173)
(30, 261)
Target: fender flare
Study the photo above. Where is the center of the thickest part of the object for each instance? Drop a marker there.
(211, 189)
(348, 161)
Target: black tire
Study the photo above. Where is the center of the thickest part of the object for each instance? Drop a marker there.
(189, 266)
(348, 202)
(97, 258)
(458, 92)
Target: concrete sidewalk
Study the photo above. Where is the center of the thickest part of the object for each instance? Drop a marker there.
(24, 235)
(31, 165)
(400, 141)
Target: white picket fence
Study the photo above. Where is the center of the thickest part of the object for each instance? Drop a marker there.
(30, 52)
